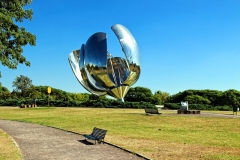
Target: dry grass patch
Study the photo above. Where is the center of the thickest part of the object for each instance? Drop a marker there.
(158, 149)
(8, 149)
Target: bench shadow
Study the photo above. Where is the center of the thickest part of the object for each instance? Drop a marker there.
(147, 114)
(85, 142)
(230, 114)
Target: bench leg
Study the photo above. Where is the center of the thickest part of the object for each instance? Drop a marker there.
(100, 141)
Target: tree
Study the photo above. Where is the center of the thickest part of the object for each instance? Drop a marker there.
(162, 95)
(231, 97)
(206, 96)
(177, 98)
(4, 92)
(56, 94)
(196, 99)
(78, 96)
(139, 94)
(22, 83)
(13, 37)
(3, 89)
(31, 92)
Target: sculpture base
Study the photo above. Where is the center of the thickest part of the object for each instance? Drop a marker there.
(188, 111)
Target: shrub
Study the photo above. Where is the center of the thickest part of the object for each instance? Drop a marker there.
(224, 108)
(172, 105)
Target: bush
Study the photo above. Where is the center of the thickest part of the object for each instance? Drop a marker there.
(172, 105)
(107, 103)
(14, 102)
(224, 108)
(116, 104)
(198, 107)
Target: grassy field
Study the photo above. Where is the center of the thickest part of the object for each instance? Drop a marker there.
(165, 136)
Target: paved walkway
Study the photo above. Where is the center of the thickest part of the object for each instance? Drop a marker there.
(38, 142)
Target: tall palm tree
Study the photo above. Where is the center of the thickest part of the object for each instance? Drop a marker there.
(162, 95)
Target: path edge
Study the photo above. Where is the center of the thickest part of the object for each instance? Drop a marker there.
(126, 150)
(15, 143)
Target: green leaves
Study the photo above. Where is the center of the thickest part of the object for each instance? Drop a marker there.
(13, 38)
(139, 94)
(22, 83)
(196, 99)
(214, 98)
(162, 95)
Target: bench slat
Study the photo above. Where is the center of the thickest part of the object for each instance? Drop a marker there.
(89, 137)
(97, 134)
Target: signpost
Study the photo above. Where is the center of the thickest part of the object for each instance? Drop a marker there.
(49, 91)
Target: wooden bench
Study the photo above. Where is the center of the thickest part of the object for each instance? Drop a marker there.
(97, 135)
(152, 111)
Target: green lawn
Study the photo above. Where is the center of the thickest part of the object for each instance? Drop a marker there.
(165, 136)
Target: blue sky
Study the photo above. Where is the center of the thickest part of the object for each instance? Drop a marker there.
(184, 44)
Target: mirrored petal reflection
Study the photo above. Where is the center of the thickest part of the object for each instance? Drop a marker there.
(131, 51)
(96, 59)
(92, 83)
(118, 70)
(74, 58)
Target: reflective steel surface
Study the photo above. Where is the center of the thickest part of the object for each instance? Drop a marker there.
(131, 51)
(74, 58)
(100, 72)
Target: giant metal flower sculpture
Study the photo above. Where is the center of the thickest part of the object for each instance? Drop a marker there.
(99, 72)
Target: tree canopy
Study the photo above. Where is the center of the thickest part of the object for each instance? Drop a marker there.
(162, 95)
(196, 99)
(13, 37)
(230, 97)
(21, 83)
(139, 94)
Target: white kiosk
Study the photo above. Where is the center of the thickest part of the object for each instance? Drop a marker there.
(184, 106)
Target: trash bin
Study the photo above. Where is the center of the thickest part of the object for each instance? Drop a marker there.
(235, 108)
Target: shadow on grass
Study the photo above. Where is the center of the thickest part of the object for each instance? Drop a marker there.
(232, 114)
(147, 114)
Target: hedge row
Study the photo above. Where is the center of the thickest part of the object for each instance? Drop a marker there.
(73, 103)
(198, 107)
(108, 104)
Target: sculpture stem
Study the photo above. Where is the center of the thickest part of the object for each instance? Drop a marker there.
(121, 100)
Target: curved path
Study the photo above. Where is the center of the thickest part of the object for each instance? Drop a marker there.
(38, 142)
